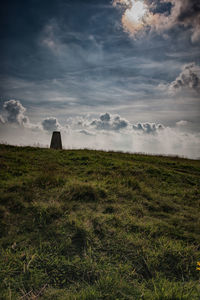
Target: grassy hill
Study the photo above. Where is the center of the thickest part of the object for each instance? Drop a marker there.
(82, 224)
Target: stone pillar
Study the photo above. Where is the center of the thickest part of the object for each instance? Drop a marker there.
(56, 142)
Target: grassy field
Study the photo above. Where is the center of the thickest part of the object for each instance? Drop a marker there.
(82, 224)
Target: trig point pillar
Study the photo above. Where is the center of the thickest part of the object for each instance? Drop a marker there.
(56, 142)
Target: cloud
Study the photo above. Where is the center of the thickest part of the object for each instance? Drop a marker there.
(167, 141)
(181, 123)
(148, 127)
(105, 117)
(187, 126)
(113, 123)
(86, 132)
(2, 121)
(105, 122)
(160, 16)
(187, 14)
(49, 37)
(135, 15)
(187, 83)
(50, 124)
(109, 122)
(15, 112)
(108, 132)
(187, 79)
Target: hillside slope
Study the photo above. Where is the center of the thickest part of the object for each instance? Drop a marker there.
(80, 224)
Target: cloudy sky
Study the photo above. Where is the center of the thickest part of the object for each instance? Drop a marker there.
(120, 75)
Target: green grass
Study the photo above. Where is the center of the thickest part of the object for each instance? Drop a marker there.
(82, 224)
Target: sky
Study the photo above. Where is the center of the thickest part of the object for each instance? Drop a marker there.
(120, 75)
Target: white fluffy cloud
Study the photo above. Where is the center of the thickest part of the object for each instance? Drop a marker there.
(15, 112)
(187, 83)
(109, 122)
(51, 124)
(148, 127)
(188, 79)
(105, 122)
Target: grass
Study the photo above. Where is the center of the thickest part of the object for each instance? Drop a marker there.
(82, 224)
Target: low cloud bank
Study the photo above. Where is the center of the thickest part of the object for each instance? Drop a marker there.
(106, 132)
(108, 122)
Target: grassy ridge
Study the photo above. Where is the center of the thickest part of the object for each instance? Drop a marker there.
(80, 224)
